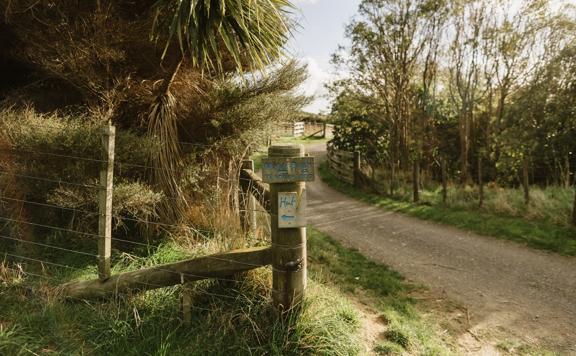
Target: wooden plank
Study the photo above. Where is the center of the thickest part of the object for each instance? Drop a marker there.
(344, 154)
(253, 183)
(247, 202)
(214, 266)
(343, 166)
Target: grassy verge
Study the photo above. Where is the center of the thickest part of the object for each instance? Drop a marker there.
(406, 329)
(228, 318)
(538, 234)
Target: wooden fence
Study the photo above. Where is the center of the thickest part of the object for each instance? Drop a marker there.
(296, 129)
(301, 128)
(345, 165)
(287, 170)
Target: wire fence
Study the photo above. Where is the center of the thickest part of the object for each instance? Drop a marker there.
(17, 253)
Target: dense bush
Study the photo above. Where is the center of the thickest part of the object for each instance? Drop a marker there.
(56, 160)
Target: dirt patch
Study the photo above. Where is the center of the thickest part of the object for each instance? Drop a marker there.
(372, 324)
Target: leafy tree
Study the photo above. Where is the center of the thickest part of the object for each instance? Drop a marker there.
(171, 70)
(393, 57)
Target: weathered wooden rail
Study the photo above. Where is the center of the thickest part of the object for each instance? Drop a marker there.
(287, 170)
(214, 266)
(345, 165)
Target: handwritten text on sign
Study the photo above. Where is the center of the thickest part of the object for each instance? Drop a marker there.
(291, 209)
(285, 170)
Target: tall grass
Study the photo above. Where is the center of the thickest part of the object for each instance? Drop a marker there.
(551, 204)
(502, 216)
(228, 318)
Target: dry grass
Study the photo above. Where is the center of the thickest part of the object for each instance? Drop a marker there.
(550, 204)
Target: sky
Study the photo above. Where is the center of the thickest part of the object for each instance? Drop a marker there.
(321, 30)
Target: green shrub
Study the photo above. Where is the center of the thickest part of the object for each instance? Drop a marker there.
(59, 150)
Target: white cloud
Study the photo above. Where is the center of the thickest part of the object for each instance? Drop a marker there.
(314, 86)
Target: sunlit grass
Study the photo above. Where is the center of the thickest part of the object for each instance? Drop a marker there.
(227, 318)
(383, 289)
(535, 232)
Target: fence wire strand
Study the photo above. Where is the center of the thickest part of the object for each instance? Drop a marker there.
(118, 164)
(47, 246)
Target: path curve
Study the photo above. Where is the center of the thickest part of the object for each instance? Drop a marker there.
(508, 288)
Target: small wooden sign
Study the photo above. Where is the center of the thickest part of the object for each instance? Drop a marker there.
(291, 210)
(286, 170)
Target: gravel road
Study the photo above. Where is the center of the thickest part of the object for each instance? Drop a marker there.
(508, 289)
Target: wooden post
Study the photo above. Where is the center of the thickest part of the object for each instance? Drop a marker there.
(105, 203)
(186, 303)
(357, 173)
(247, 201)
(288, 244)
(525, 180)
(444, 181)
(324, 130)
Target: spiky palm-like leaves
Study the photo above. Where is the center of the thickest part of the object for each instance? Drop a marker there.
(166, 157)
(250, 32)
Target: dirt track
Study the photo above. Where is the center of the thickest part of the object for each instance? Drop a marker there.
(510, 290)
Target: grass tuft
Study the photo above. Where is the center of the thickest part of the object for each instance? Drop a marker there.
(381, 288)
(388, 348)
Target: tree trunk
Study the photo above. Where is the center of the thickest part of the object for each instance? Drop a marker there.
(464, 148)
(392, 178)
(480, 183)
(416, 180)
(574, 208)
(525, 180)
(567, 172)
(444, 182)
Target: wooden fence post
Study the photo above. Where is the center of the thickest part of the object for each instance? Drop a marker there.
(105, 203)
(357, 166)
(248, 201)
(288, 244)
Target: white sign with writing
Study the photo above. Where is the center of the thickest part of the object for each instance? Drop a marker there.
(291, 209)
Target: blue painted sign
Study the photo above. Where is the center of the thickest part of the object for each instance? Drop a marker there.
(286, 170)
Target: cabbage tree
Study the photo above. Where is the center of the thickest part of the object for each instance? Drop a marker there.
(204, 34)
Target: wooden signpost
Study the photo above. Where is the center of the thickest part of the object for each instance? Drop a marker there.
(287, 170)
